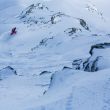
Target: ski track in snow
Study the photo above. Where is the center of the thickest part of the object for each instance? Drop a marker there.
(69, 103)
(107, 95)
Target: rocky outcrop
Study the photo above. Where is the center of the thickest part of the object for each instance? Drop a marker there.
(72, 31)
(57, 17)
(99, 46)
(43, 42)
(66, 68)
(45, 72)
(84, 24)
(95, 61)
(78, 64)
(40, 14)
(7, 72)
(31, 14)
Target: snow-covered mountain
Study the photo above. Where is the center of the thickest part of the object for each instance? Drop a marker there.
(58, 57)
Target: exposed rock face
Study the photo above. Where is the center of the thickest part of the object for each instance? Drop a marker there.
(99, 46)
(89, 65)
(29, 10)
(40, 14)
(44, 42)
(57, 17)
(45, 72)
(31, 15)
(92, 8)
(27, 15)
(84, 24)
(6, 72)
(66, 68)
(71, 31)
(98, 58)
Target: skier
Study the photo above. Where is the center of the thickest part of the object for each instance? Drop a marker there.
(13, 31)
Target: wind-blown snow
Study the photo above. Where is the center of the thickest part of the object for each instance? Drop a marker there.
(36, 71)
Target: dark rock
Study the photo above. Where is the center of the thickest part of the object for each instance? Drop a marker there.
(94, 34)
(84, 24)
(77, 64)
(43, 42)
(99, 46)
(6, 72)
(65, 67)
(9, 67)
(91, 66)
(28, 17)
(27, 11)
(86, 65)
(55, 16)
(71, 31)
(108, 34)
(45, 72)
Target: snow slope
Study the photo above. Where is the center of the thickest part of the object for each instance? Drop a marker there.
(60, 55)
(78, 90)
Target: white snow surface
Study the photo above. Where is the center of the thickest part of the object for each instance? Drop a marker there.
(45, 46)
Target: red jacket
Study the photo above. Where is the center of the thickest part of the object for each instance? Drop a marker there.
(13, 31)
